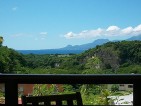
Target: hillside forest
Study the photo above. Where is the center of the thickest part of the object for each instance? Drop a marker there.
(122, 57)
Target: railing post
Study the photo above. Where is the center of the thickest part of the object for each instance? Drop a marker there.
(11, 93)
(136, 94)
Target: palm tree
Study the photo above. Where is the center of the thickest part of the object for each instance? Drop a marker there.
(1, 40)
(104, 94)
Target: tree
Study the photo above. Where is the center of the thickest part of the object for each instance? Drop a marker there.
(1, 40)
(104, 96)
(10, 61)
(44, 89)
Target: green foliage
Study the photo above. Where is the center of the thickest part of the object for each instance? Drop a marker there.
(121, 93)
(42, 61)
(131, 69)
(95, 94)
(10, 60)
(2, 94)
(115, 87)
(115, 55)
(47, 71)
(130, 51)
(44, 89)
(1, 40)
(87, 89)
(68, 89)
(104, 94)
(92, 71)
(93, 63)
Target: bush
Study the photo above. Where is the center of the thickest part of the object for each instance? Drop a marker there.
(115, 87)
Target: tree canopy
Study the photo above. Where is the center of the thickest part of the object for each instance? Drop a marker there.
(1, 40)
(10, 60)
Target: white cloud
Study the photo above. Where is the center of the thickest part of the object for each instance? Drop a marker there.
(111, 31)
(43, 38)
(43, 33)
(127, 31)
(138, 28)
(18, 35)
(14, 8)
(34, 36)
(113, 28)
(69, 35)
(84, 34)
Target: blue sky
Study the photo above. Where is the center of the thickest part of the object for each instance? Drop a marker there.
(49, 24)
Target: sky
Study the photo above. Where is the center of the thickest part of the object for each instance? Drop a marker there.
(51, 24)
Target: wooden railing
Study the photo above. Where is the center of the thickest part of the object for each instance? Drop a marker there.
(11, 82)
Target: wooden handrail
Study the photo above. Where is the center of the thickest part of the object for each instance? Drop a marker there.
(12, 80)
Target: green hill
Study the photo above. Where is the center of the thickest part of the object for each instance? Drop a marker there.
(10, 60)
(120, 57)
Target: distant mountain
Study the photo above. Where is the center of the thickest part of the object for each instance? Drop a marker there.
(86, 46)
(76, 49)
(68, 49)
(134, 38)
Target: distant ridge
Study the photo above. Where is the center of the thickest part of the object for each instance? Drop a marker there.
(135, 38)
(68, 49)
(76, 49)
(86, 46)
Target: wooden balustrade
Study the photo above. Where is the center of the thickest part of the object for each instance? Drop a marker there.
(11, 82)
